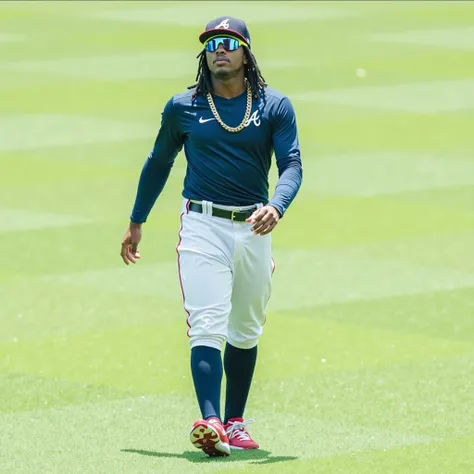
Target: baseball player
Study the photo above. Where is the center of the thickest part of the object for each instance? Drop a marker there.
(230, 123)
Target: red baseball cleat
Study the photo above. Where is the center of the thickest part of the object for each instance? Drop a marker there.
(239, 438)
(210, 436)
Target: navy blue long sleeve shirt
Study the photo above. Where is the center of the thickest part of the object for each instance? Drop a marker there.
(222, 167)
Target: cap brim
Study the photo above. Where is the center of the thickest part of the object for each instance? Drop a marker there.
(203, 37)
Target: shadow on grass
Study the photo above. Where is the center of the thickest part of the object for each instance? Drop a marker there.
(259, 456)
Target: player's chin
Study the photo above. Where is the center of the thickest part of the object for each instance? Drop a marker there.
(223, 72)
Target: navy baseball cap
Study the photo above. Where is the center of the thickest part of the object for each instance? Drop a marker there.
(229, 26)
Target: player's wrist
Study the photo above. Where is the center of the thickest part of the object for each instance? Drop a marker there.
(276, 209)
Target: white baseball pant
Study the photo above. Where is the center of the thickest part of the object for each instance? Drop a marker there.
(225, 273)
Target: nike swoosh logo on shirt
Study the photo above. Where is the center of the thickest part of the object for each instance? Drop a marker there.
(202, 120)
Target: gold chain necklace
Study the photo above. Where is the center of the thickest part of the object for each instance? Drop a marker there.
(246, 116)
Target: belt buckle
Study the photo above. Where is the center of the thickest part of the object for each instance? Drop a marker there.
(232, 214)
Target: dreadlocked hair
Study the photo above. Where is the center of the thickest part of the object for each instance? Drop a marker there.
(252, 74)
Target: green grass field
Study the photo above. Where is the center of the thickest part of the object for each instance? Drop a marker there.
(366, 365)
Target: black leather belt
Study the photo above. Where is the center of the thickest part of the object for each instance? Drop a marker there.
(234, 215)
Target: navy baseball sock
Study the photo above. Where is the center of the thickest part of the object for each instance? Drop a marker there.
(239, 365)
(206, 368)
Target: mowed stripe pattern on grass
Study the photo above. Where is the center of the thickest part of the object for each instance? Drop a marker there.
(368, 340)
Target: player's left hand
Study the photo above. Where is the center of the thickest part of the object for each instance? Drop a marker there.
(264, 220)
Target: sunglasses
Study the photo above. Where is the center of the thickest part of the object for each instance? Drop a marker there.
(229, 44)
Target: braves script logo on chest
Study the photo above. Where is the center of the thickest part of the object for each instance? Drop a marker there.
(255, 118)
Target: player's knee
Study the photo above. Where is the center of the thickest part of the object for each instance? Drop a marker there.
(212, 340)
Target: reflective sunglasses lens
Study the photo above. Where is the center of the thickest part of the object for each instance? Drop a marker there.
(229, 44)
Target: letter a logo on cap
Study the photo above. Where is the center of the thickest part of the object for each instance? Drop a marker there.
(223, 24)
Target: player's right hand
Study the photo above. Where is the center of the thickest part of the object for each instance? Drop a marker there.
(130, 241)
